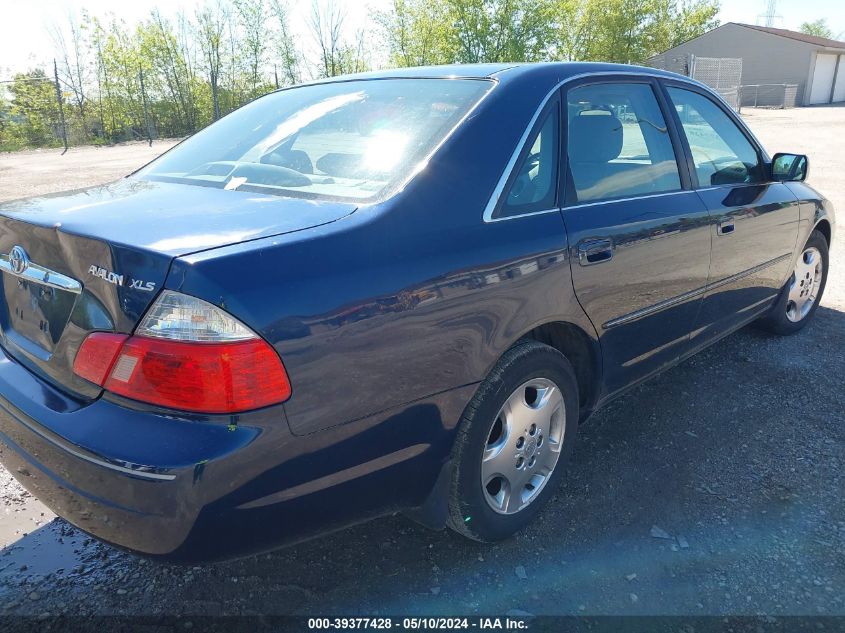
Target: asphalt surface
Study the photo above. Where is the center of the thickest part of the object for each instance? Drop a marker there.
(716, 488)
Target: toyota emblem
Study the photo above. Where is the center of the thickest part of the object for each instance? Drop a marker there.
(18, 260)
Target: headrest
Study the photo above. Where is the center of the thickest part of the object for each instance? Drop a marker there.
(594, 138)
(341, 165)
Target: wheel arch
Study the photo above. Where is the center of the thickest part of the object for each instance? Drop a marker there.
(823, 226)
(581, 350)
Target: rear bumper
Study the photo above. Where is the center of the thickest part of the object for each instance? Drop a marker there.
(103, 504)
(210, 488)
(132, 478)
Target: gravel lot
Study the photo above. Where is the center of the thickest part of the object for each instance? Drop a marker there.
(716, 488)
(36, 172)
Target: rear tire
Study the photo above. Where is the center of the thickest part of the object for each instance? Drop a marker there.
(800, 296)
(513, 442)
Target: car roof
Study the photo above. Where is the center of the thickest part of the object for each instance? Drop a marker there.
(471, 71)
(554, 71)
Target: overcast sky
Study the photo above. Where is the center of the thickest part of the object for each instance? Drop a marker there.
(25, 43)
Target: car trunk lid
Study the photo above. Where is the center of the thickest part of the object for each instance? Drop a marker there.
(94, 260)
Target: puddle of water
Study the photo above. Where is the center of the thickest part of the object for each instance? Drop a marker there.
(22, 516)
(52, 548)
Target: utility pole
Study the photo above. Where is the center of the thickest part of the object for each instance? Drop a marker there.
(59, 100)
(770, 13)
(144, 101)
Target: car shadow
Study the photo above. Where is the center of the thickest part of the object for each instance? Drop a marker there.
(715, 488)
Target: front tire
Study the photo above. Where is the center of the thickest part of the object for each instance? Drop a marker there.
(799, 298)
(513, 441)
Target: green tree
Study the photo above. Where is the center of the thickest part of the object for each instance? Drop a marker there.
(819, 28)
(197, 68)
(286, 46)
(211, 31)
(630, 31)
(687, 20)
(337, 55)
(6, 127)
(96, 43)
(416, 33)
(252, 18)
(73, 68)
(501, 30)
(167, 59)
(34, 110)
(326, 24)
(122, 61)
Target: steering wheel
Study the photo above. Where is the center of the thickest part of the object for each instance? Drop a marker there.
(727, 170)
(291, 158)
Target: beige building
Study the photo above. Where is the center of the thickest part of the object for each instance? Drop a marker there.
(770, 57)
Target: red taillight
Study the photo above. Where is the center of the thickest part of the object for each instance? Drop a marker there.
(96, 356)
(226, 377)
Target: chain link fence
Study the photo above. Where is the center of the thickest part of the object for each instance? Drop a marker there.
(769, 95)
(723, 74)
(677, 64)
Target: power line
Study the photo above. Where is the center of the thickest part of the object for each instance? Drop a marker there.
(25, 79)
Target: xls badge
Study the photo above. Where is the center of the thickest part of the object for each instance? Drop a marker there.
(120, 280)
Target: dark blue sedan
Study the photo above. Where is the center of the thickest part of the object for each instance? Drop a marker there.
(399, 291)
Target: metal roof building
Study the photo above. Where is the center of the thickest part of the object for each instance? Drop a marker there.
(770, 56)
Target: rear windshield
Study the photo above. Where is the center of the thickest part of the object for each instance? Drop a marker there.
(349, 140)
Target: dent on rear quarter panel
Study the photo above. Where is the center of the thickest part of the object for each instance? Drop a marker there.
(404, 299)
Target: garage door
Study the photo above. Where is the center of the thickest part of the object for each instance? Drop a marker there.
(823, 79)
(839, 89)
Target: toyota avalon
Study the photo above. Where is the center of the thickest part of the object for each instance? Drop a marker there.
(392, 292)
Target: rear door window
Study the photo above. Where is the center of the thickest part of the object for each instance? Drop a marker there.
(618, 143)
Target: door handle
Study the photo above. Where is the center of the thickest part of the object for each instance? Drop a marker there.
(725, 226)
(594, 251)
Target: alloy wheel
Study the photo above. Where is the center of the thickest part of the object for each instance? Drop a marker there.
(804, 285)
(523, 446)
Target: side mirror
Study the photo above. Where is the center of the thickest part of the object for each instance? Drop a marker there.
(790, 167)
